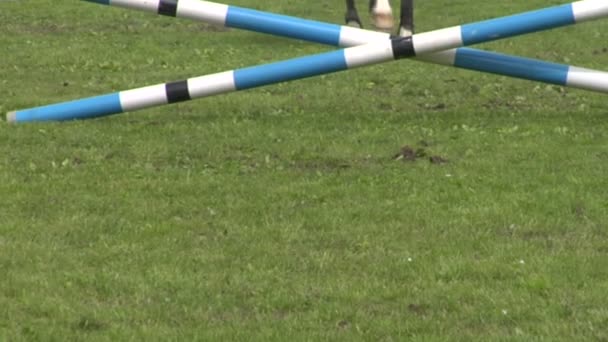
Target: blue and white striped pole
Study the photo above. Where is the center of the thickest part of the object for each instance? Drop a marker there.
(218, 83)
(372, 53)
(346, 36)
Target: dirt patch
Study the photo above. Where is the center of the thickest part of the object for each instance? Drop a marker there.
(418, 309)
(435, 106)
(343, 325)
(579, 211)
(89, 324)
(437, 160)
(408, 153)
(77, 161)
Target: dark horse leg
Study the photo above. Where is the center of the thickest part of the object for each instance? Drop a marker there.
(352, 17)
(381, 14)
(406, 26)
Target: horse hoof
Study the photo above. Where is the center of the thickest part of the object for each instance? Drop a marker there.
(383, 21)
(403, 32)
(354, 23)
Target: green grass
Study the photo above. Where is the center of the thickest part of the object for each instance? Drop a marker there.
(279, 213)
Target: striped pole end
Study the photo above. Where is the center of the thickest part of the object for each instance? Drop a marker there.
(11, 117)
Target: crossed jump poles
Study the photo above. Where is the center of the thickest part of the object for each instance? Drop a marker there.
(362, 47)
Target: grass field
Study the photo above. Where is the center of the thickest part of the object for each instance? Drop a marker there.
(280, 212)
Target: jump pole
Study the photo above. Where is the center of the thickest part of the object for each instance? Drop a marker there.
(368, 54)
(346, 36)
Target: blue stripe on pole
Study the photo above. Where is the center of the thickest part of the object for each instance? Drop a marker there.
(518, 24)
(276, 24)
(526, 68)
(78, 109)
(290, 70)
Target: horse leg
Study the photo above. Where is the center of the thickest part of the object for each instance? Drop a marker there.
(406, 26)
(382, 14)
(352, 17)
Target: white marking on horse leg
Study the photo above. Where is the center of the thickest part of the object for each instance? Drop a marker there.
(382, 15)
(403, 32)
(353, 23)
(382, 6)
